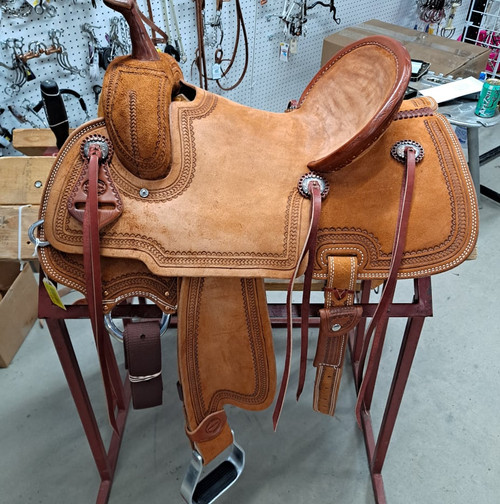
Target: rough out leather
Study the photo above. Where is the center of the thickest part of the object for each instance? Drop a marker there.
(264, 225)
(247, 181)
(208, 193)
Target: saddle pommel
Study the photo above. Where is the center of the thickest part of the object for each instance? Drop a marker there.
(135, 101)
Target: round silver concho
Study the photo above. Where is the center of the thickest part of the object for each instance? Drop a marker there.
(99, 140)
(398, 150)
(306, 179)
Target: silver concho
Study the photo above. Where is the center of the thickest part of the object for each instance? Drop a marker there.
(304, 181)
(99, 140)
(398, 150)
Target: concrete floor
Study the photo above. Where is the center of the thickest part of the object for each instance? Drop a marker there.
(445, 448)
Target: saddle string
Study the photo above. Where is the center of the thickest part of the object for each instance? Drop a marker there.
(310, 247)
(377, 325)
(92, 267)
(306, 292)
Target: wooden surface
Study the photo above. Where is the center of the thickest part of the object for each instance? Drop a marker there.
(34, 142)
(20, 177)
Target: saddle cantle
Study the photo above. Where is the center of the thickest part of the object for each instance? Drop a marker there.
(190, 200)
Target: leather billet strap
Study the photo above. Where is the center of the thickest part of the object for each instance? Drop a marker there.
(92, 265)
(377, 324)
(143, 358)
(337, 319)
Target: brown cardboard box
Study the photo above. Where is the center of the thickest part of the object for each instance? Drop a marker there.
(446, 56)
(18, 308)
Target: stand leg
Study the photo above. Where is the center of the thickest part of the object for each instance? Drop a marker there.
(377, 446)
(105, 461)
(401, 373)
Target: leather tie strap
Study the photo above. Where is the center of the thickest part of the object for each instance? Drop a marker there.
(143, 356)
(306, 293)
(310, 247)
(337, 319)
(92, 266)
(381, 315)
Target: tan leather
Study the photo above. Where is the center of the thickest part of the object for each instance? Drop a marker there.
(203, 185)
(224, 357)
(208, 193)
(337, 319)
(359, 213)
(139, 126)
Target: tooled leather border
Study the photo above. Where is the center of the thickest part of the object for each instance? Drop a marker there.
(457, 246)
(261, 389)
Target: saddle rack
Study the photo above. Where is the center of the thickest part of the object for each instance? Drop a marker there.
(376, 444)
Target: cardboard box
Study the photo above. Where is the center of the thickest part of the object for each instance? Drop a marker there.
(18, 308)
(446, 56)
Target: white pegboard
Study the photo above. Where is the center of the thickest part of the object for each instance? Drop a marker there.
(483, 28)
(269, 83)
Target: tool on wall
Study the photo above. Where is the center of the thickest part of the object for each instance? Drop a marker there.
(221, 66)
(21, 116)
(432, 12)
(15, 8)
(19, 65)
(170, 9)
(62, 53)
(94, 51)
(5, 134)
(294, 15)
(449, 30)
(42, 6)
(55, 110)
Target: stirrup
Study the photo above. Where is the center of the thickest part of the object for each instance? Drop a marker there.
(216, 482)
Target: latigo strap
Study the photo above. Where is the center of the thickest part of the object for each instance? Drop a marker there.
(143, 358)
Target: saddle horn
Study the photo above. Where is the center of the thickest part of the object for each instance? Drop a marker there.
(135, 100)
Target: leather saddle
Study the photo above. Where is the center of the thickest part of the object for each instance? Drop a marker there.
(190, 200)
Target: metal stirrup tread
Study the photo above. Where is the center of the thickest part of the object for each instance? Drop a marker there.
(197, 490)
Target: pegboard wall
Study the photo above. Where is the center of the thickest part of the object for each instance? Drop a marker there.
(269, 82)
(483, 28)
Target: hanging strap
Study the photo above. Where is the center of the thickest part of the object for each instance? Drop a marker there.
(310, 248)
(337, 319)
(149, 21)
(92, 266)
(377, 324)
